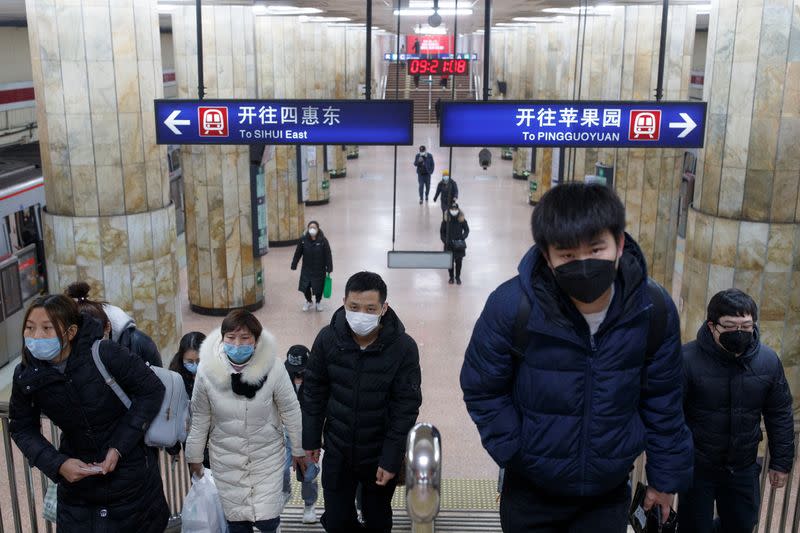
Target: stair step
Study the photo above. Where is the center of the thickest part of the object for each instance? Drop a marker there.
(448, 521)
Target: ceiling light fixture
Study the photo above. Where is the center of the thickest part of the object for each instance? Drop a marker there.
(408, 12)
(261, 9)
(306, 18)
(540, 20)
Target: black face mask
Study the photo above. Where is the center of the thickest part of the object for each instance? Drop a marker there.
(736, 341)
(586, 280)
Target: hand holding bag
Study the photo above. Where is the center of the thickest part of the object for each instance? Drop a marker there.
(202, 508)
(328, 288)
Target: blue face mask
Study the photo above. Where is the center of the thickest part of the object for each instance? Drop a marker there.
(238, 354)
(191, 367)
(43, 349)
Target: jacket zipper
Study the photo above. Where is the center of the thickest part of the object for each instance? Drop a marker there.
(356, 383)
(587, 397)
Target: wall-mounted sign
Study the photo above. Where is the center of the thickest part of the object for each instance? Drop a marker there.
(365, 122)
(574, 124)
(438, 67)
(429, 44)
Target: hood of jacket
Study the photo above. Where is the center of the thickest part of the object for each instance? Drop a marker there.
(557, 307)
(120, 320)
(215, 366)
(706, 342)
(391, 329)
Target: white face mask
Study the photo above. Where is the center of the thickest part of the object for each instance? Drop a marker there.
(445, 178)
(312, 232)
(362, 324)
(454, 212)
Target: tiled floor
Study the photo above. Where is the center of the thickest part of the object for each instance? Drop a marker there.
(358, 223)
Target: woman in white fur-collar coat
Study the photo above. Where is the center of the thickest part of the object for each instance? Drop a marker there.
(242, 401)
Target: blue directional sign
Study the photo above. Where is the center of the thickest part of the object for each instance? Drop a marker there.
(574, 124)
(364, 122)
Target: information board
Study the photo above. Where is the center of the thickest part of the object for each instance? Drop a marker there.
(574, 124)
(357, 122)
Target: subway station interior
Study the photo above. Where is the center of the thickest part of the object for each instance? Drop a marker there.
(178, 234)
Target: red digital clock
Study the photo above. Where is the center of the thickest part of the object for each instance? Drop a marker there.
(438, 67)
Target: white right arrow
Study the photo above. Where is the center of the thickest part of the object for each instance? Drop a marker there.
(172, 121)
(689, 125)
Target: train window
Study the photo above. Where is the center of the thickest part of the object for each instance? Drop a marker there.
(12, 292)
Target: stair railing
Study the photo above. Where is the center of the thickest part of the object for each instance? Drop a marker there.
(423, 476)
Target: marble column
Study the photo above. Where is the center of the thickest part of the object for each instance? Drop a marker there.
(620, 62)
(744, 228)
(554, 73)
(109, 221)
(522, 76)
(335, 74)
(279, 48)
(648, 180)
(355, 43)
(221, 270)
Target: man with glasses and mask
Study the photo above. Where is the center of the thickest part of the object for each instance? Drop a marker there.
(731, 380)
(361, 397)
(574, 369)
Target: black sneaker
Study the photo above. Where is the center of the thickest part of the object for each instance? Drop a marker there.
(458, 281)
(420, 201)
(450, 281)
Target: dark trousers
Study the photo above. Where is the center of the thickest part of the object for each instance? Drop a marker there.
(526, 508)
(737, 496)
(424, 181)
(339, 483)
(457, 261)
(263, 526)
(307, 294)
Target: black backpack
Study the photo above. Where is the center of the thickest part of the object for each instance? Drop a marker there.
(655, 332)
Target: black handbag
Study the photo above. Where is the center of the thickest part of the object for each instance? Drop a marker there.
(458, 245)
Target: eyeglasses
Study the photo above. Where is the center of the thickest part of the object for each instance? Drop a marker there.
(748, 327)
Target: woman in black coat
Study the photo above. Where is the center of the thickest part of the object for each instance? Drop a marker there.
(315, 251)
(454, 232)
(108, 480)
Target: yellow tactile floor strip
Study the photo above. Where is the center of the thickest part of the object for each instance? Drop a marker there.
(474, 494)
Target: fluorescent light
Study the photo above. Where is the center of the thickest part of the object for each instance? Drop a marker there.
(703, 9)
(595, 11)
(516, 25)
(260, 9)
(443, 4)
(427, 30)
(305, 18)
(166, 8)
(541, 20)
(428, 12)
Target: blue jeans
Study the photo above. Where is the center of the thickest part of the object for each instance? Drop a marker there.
(308, 488)
(424, 181)
(737, 496)
(264, 526)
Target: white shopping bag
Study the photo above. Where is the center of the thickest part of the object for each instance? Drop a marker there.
(202, 508)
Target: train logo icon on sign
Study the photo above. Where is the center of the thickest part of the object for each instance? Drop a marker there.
(213, 121)
(645, 125)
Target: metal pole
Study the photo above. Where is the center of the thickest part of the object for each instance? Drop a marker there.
(487, 31)
(12, 478)
(453, 88)
(201, 91)
(397, 97)
(368, 90)
(662, 50)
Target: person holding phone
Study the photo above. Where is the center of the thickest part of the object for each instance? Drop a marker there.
(108, 480)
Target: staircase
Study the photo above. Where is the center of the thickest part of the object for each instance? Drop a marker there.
(467, 506)
(428, 92)
(448, 521)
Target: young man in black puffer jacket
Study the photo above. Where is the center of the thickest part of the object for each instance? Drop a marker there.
(362, 393)
(731, 379)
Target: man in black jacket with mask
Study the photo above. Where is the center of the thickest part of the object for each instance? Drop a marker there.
(362, 394)
(731, 379)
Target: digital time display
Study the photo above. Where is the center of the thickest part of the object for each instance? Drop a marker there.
(438, 67)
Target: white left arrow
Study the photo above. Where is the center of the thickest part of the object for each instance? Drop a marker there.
(688, 125)
(172, 121)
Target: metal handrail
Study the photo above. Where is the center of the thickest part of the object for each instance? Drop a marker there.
(423, 476)
(26, 495)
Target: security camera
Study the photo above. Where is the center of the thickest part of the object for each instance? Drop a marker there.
(485, 158)
(435, 19)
